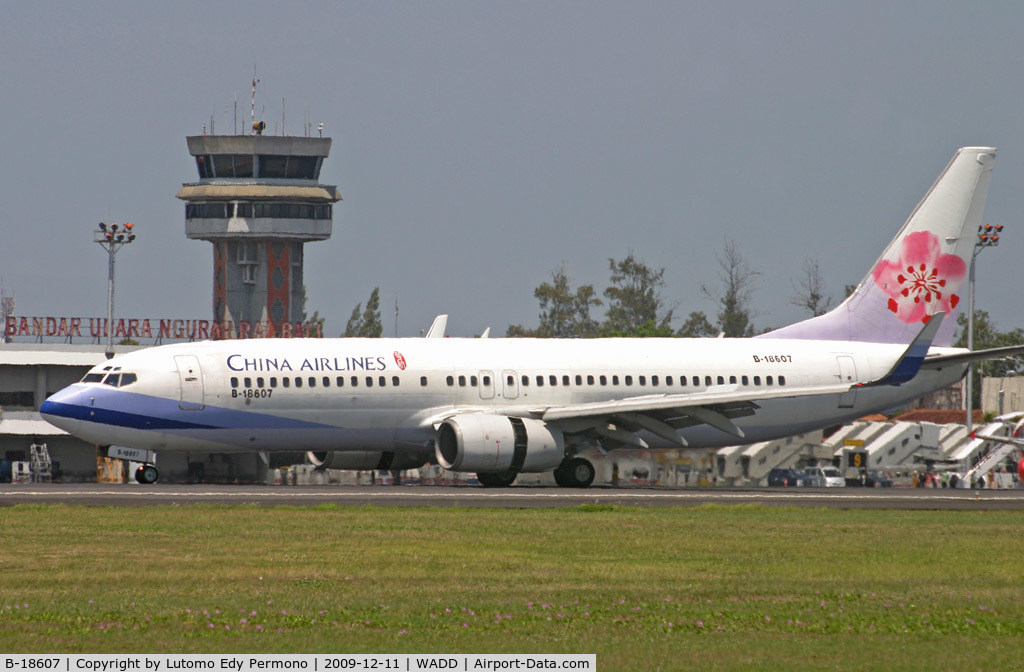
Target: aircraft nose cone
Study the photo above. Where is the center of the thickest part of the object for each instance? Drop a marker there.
(64, 409)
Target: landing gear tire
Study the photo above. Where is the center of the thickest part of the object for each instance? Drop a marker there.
(500, 480)
(146, 474)
(575, 472)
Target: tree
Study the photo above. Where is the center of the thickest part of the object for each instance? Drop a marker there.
(564, 312)
(697, 325)
(634, 298)
(810, 290)
(315, 323)
(737, 279)
(986, 335)
(366, 323)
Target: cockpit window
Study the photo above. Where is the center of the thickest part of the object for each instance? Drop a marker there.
(127, 379)
(112, 379)
(92, 378)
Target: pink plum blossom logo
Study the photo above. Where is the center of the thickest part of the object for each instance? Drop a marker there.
(921, 281)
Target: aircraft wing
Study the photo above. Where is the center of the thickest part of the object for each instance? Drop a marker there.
(663, 414)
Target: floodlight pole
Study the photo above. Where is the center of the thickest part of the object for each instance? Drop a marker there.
(111, 240)
(988, 236)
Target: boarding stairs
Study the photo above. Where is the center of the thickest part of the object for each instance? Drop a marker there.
(1002, 450)
(975, 450)
(40, 464)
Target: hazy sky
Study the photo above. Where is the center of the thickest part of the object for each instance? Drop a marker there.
(478, 146)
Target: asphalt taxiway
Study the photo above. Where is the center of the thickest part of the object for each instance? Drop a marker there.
(97, 494)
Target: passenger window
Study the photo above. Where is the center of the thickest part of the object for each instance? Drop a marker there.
(768, 380)
(510, 381)
(707, 381)
(487, 381)
(298, 382)
(782, 380)
(540, 381)
(604, 380)
(472, 381)
(721, 380)
(757, 380)
(129, 378)
(286, 382)
(654, 381)
(553, 380)
(615, 380)
(327, 381)
(312, 381)
(643, 380)
(273, 381)
(394, 381)
(590, 380)
(579, 380)
(234, 381)
(259, 383)
(629, 380)
(745, 380)
(369, 381)
(565, 381)
(462, 381)
(248, 382)
(732, 380)
(382, 381)
(423, 381)
(696, 381)
(526, 381)
(354, 381)
(340, 381)
(450, 380)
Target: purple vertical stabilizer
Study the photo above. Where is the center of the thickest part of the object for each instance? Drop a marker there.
(924, 269)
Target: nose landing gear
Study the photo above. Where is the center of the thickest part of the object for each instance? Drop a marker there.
(147, 474)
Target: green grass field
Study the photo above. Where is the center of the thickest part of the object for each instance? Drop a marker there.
(726, 588)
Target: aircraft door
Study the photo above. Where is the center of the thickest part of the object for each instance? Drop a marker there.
(487, 385)
(191, 377)
(510, 388)
(847, 374)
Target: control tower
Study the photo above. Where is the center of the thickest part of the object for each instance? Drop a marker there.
(258, 200)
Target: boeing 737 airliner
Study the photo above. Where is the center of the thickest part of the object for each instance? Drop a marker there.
(499, 407)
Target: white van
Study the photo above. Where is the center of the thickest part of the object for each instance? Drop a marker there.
(823, 477)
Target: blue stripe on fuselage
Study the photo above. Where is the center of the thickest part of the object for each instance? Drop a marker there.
(140, 411)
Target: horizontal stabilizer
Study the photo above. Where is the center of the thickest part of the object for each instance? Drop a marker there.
(940, 361)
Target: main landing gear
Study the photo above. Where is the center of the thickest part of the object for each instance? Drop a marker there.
(575, 472)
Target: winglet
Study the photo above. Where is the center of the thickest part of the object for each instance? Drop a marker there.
(909, 363)
(437, 328)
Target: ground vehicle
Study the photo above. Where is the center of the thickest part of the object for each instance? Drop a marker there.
(783, 477)
(877, 478)
(822, 477)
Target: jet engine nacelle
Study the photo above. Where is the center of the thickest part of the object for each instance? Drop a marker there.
(363, 460)
(492, 444)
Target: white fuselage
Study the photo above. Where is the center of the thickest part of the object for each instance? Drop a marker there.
(390, 394)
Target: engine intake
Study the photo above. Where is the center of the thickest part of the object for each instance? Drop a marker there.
(484, 443)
